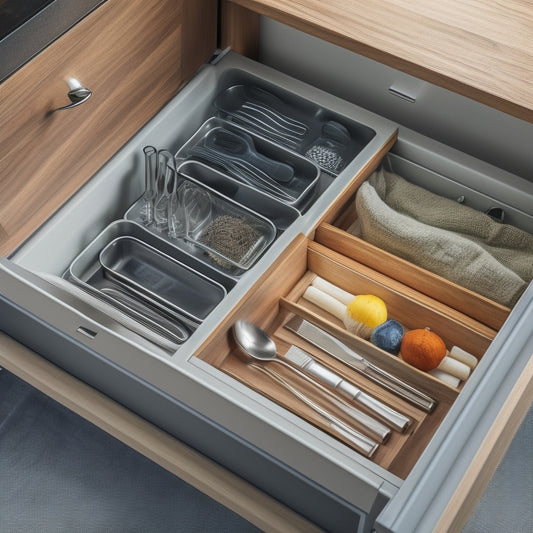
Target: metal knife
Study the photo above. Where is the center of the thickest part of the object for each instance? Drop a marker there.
(394, 418)
(337, 349)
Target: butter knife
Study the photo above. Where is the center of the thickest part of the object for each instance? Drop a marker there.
(337, 349)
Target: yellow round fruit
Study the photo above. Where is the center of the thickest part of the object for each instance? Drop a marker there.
(367, 309)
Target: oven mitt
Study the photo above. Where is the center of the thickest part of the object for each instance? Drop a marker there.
(445, 237)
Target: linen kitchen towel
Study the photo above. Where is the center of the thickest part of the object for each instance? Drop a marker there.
(445, 237)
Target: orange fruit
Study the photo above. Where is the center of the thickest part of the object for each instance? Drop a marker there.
(423, 349)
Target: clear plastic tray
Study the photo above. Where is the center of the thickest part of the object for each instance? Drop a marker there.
(162, 278)
(281, 215)
(328, 140)
(204, 216)
(296, 191)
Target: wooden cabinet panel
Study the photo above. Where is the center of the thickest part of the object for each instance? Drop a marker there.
(133, 55)
(472, 48)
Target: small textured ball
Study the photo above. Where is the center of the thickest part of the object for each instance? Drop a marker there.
(388, 336)
(423, 349)
(367, 309)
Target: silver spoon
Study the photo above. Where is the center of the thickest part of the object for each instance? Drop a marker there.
(254, 343)
(360, 442)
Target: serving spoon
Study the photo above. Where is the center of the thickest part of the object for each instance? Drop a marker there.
(254, 343)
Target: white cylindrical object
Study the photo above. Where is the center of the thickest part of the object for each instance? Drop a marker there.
(455, 368)
(336, 292)
(461, 355)
(325, 302)
(445, 377)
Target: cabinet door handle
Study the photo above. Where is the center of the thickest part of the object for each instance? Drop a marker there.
(77, 94)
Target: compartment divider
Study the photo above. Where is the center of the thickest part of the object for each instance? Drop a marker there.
(357, 278)
(468, 302)
(421, 380)
(362, 174)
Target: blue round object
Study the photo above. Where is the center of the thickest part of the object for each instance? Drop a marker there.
(388, 336)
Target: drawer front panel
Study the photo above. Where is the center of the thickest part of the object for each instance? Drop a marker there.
(133, 56)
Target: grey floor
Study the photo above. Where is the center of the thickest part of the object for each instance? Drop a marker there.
(507, 504)
(59, 473)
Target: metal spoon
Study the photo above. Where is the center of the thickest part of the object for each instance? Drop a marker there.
(254, 343)
(241, 146)
(360, 442)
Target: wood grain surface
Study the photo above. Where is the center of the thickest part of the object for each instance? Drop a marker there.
(478, 48)
(134, 55)
(239, 29)
(466, 301)
(274, 299)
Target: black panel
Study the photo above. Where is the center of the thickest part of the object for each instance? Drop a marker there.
(29, 26)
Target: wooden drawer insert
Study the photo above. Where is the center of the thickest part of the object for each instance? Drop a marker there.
(277, 296)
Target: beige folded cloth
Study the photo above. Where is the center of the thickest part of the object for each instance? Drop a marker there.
(444, 237)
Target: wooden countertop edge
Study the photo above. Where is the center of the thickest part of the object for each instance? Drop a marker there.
(499, 99)
(165, 450)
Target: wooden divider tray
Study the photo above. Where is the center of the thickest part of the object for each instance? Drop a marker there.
(335, 236)
(277, 297)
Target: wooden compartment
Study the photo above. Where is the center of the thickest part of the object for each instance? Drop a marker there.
(334, 231)
(336, 237)
(277, 296)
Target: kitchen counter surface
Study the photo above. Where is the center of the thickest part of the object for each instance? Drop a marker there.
(26, 28)
(478, 48)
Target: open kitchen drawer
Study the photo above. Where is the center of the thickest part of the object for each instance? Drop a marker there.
(173, 389)
(203, 394)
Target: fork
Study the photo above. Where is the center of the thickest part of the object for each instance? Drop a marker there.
(262, 128)
(280, 120)
(267, 102)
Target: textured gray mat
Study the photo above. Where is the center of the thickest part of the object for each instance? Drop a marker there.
(507, 504)
(59, 473)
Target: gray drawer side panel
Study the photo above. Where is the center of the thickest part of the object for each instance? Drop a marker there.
(249, 462)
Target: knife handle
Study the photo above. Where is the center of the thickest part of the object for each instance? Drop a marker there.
(399, 387)
(378, 408)
(362, 419)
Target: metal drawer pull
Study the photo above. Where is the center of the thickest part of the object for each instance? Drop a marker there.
(402, 95)
(77, 94)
